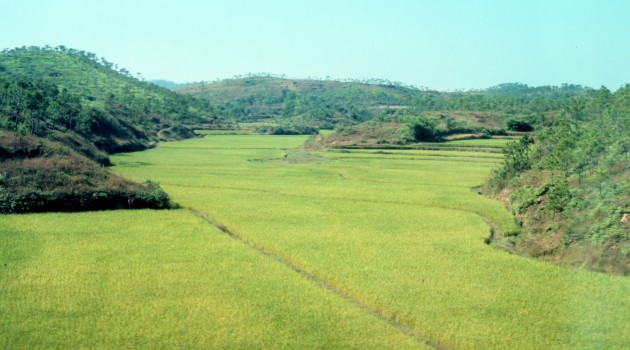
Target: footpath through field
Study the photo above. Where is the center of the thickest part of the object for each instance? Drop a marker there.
(324, 284)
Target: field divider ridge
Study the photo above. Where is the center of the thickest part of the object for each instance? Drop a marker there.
(323, 283)
(495, 228)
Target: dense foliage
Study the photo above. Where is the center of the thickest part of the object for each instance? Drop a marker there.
(310, 102)
(40, 109)
(421, 129)
(51, 97)
(45, 89)
(573, 178)
(287, 129)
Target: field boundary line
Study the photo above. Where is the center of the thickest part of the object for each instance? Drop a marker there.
(491, 223)
(322, 283)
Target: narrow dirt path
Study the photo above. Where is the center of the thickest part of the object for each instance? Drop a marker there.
(324, 284)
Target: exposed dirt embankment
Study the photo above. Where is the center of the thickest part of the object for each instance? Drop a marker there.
(547, 236)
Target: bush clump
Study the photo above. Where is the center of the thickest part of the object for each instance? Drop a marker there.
(289, 129)
(520, 124)
(421, 129)
(87, 200)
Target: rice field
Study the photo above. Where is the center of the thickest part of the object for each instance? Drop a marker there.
(359, 249)
(147, 279)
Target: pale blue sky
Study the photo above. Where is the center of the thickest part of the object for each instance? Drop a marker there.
(444, 45)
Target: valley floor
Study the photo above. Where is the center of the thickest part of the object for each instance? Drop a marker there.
(342, 249)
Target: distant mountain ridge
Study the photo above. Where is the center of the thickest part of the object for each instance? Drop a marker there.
(321, 103)
(326, 103)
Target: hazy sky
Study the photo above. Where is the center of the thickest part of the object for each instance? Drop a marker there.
(437, 44)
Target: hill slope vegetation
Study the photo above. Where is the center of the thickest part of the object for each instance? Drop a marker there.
(327, 103)
(37, 175)
(63, 111)
(569, 185)
(75, 91)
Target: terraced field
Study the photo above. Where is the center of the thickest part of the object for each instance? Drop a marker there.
(280, 249)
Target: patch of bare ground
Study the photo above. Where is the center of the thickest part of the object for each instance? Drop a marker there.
(544, 237)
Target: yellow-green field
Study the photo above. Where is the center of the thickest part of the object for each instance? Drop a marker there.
(146, 279)
(363, 249)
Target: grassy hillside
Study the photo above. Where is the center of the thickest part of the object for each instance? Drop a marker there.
(569, 185)
(407, 130)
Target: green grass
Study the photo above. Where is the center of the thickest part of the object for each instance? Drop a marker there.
(469, 153)
(400, 234)
(223, 132)
(415, 155)
(492, 142)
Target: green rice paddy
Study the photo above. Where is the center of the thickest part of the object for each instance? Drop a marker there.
(360, 249)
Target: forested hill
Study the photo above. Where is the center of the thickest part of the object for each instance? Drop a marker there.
(326, 103)
(76, 93)
(320, 103)
(62, 111)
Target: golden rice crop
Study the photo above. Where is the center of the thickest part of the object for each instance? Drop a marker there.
(396, 234)
(402, 234)
(148, 279)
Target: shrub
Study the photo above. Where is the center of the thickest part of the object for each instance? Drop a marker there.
(292, 129)
(521, 124)
(38, 175)
(421, 130)
(153, 196)
(525, 197)
(559, 196)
